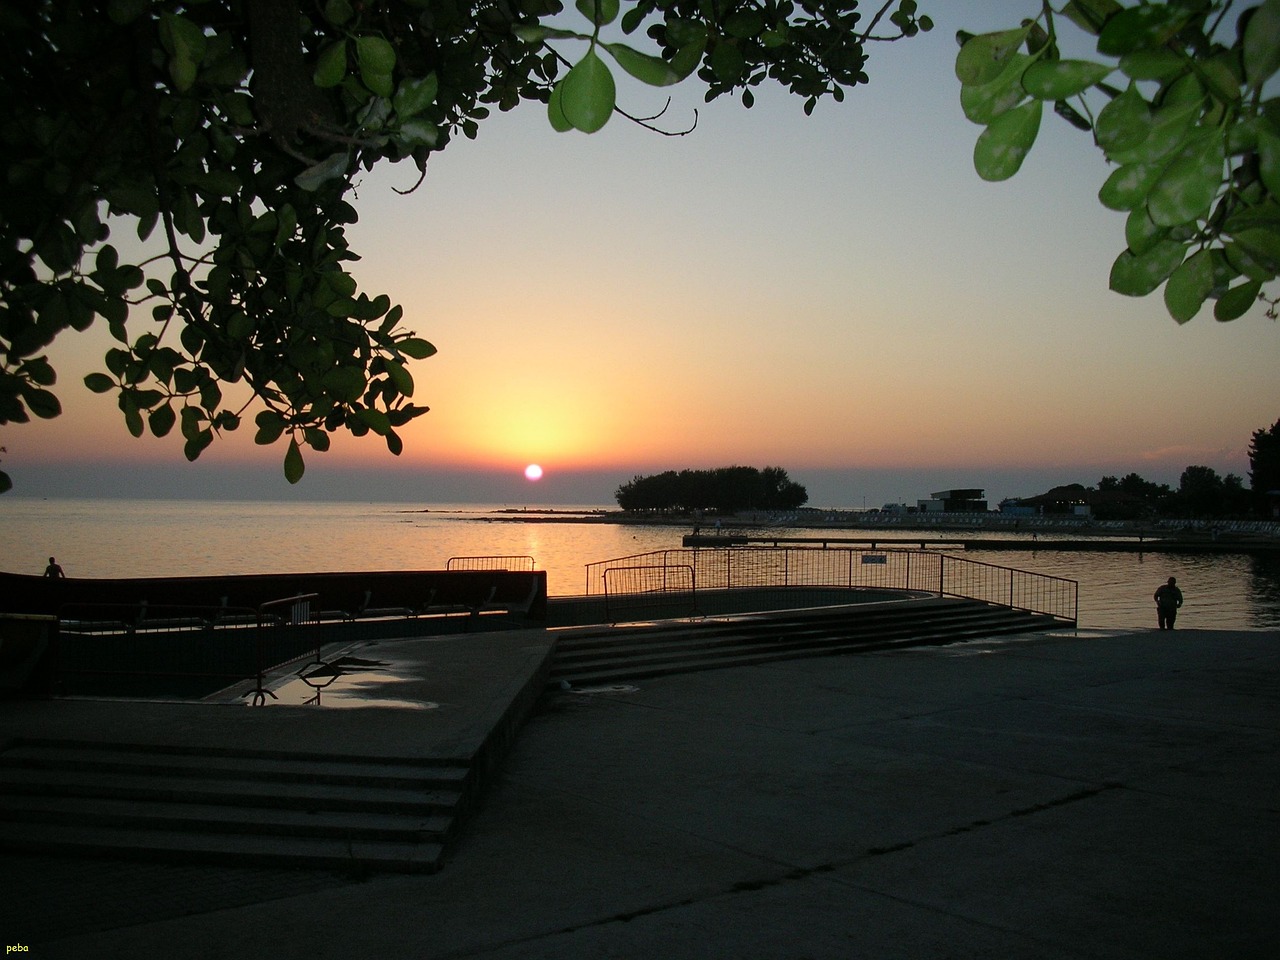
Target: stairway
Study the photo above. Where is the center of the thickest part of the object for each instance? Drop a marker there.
(235, 807)
(639, 651)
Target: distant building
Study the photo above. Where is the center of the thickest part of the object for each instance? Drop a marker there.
(1077, 500)
(954, 501)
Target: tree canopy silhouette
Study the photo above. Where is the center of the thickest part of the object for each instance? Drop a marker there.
(722, 490)
(226, 134)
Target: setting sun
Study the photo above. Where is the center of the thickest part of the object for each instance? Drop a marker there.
(533, 472)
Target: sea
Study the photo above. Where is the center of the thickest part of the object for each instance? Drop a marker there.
(153, 538)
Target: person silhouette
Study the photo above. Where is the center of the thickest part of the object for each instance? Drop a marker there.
(53, 570)
(1168, 599)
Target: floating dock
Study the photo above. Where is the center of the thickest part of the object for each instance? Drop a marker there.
(1131, 545)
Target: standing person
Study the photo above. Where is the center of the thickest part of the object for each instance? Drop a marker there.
(1168, 599)
(53, 570)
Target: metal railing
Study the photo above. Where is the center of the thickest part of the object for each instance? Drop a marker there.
(185, 650)
(522, 564)
(645, 592)
(280, 640)
(926, 571)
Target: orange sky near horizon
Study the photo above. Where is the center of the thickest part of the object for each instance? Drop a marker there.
(839, 291)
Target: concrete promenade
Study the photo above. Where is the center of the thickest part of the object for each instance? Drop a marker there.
(1093, 795)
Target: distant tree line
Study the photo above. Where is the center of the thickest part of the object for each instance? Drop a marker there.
(722, 490)
(1201, 492)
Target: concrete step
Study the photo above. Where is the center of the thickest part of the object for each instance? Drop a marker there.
(790, 633)
(207, 818)
(77, 755)
(129, 801)
(643, 653)
(179, 846)
(790, 622)
(124, 785)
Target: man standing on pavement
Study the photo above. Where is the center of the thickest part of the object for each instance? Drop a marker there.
(1168, 599)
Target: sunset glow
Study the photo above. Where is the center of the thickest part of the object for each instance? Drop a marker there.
(839, 295)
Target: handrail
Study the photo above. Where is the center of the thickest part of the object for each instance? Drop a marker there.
(298, 610)
(920, 570)
(517, 563)
(185, 644)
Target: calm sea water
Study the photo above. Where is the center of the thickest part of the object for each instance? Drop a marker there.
(147, 538)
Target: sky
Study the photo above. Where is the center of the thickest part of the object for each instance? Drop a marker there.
(839, 295)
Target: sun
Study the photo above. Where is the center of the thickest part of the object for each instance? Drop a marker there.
(533, 472)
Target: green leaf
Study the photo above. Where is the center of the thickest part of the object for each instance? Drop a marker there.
(1124, 123)
(377, 60)
(633, 18)
(1262, 245)
(162, 420)
(41, 402)
(1191, 284)
(331, 68)
(5, 483)
(555, 111)
(186, 44)
(1269, 160)
(1090, 15)
(331, 168)
(316, 439)
(588, 93)
(654, 71)
(1060, 79)
(744, 22)
(394, 443)
(1152, 25)
(982, 58)
(1186, 189)
(416, 348)
(293, 465)
(599, 12)
(688, 57)
(415, 94)
(1137, 276)
(1235, 303)
(727, 62)
(1158, 64)
(196, 444)
(1003, 146)
(192, 419)
(270, 427)
(132, 417)
(1140, 233)
(536, 33)
(1128, 186)
(39, 370)
(419, 133)
(375, 54)
(1262, 44)
(399, 376)
(375, 420)
(982, 103)
(345, 383)
(338, 12)
(1168, 128)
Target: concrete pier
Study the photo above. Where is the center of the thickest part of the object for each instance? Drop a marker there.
(1096, 795)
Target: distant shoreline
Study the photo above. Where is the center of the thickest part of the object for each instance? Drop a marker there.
(1196, 530)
